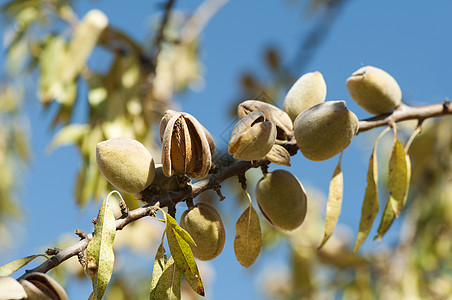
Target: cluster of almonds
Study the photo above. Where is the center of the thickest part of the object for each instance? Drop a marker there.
(321, 130)
(34, 286)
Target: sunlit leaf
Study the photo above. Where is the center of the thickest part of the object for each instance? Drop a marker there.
(388, 214)
(370, 206)
(333, 207)
(397, 177)
(100, 256)
(69, 135)
(159, 266)
(248, 237)
(183, 256)
(85, 38)
(13, 266)
(386, 220)
(168, 286)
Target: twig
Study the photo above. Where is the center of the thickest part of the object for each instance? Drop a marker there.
(404, 113)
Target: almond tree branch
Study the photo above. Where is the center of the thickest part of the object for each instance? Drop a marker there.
(402, 113)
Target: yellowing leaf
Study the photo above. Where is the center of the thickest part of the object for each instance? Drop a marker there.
(386, 220)
(388, 214)
(248, 238)
(13, 266)
(159, 266)
(333, 207)
(397, 177)
(168, 286)
(370, 206)
(183, 256)
(100, 256)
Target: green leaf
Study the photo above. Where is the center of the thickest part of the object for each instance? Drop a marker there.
(183, 256)
(397, 177)
(248, 237)
(159, 266)
(169, 284)
(370, 206)
(69, 135)
(100, 256)
(182, 232)
(333, 207)
(13, 266)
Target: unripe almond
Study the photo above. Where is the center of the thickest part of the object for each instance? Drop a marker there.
(307, 91)
(204, 224)
(325, 130)
(126, 164)
(374, 90)
(281, 199)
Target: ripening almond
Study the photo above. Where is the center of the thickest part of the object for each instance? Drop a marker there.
(325, 130)
(126, 164)
(374, 90)
(281, 199)
(307, 91)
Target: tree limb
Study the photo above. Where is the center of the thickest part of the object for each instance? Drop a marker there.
(401, 113)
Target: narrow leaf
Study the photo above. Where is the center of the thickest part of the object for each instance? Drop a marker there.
(248, 238)
(333, 207)
(386, 220)
(389, 215)
(169, 284)
(13, 266)
(397, 177)
(100, 256)
(68, 135)
(183, 256)
(182, 232)
(370, 206)
(159, 266)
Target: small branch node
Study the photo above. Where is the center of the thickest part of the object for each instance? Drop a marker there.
(52, 251)
(217, 189)
(80, 234)
(190, 203)
(81, 259)
(94, 221)
(264, 169)
(446, 104)
(242, 180)
(172, 211)
(124, 209)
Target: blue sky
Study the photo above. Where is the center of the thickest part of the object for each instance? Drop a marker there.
(412, 40)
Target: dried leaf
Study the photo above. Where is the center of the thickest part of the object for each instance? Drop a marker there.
(100, 255)
(183, 256)
(13, 266)
(370, 206)
(248, 238)
(159, 267)
(169, 284)
(333, 207)
(397, 177)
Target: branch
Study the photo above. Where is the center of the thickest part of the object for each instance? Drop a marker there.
(404, 112)
(401, 113)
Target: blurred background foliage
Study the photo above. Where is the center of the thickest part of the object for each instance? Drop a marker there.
(128, 96)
